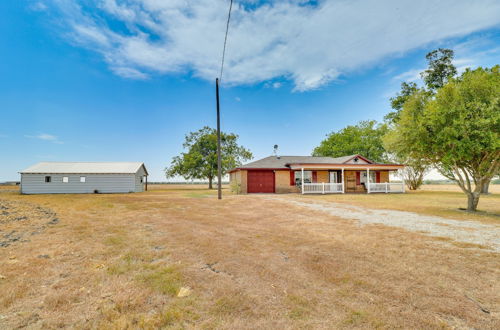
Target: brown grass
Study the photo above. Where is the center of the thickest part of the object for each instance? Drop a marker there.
(118, 261)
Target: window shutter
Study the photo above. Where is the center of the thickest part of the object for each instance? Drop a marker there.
(315, 176)
(292, 178)
(378, 177)
(358, 180)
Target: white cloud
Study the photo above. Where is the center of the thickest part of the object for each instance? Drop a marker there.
(310, 45)
(45, 137)
(237, 99)
(38, 6)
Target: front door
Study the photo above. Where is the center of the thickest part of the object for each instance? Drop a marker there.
(350, 177)
(334, 177)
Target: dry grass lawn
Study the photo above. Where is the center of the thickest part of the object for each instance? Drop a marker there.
(439, 200)
(119, 261)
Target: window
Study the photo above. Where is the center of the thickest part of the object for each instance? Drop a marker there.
(82, 179)
(373, 177)
(65, 179)
(307, 177)
(48, 179)
(142, 180)
(334, 177)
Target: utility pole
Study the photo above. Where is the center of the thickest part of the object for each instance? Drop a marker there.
(219, 169)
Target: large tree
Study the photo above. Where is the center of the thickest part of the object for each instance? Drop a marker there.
(440, 69)
(458, 130)
(403, 140)
(364, 138)
(200, 159)
(398, 101)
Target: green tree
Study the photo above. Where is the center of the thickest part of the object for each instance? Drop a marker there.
(397, 102)
(407, 132)
(364, 138)
(440, 69)
(458, 130)
(200, 160)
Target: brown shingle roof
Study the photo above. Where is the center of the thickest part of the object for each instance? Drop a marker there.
(282, 161)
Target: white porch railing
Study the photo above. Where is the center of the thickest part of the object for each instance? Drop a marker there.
(387, 187)
(322, 188)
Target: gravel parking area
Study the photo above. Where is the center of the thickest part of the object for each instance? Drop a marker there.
(471, 232)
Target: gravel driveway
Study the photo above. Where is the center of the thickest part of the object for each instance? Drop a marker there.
(459, 230)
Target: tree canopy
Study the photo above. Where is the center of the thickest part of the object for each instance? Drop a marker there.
(457, 130)
(200, 159)
(440, 68)
(364, 138)
(397, 102)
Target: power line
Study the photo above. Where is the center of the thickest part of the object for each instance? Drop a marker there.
(225, 40)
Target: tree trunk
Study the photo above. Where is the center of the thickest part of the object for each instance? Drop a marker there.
(210, 183)
(472, 201)
(485, 188)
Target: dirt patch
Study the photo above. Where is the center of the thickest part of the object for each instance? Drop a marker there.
(20, 220)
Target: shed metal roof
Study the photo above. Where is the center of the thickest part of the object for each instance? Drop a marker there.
(282, 161)
(85, 168)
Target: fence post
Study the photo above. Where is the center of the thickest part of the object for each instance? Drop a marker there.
(386, 186)
(323, 188)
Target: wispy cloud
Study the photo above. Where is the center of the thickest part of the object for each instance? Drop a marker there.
(311, 45)
(38, 6)
(45, 137)
(478, 51)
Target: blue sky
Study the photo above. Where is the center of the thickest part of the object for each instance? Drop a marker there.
(126, 80)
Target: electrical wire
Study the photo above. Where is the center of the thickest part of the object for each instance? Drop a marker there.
(225, 40)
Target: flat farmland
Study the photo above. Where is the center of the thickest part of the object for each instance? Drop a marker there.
(176, 257)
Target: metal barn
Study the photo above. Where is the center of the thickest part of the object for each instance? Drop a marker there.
(84, 178)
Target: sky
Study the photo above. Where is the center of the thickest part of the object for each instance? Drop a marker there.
(110, 80)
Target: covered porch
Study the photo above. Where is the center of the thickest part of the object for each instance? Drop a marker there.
(366, 178)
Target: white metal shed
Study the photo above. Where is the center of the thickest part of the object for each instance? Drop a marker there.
(84, 178)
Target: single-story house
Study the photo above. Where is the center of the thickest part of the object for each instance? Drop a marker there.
(309, 174)
(84, 178)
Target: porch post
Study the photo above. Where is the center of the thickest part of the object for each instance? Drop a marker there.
(302, 177)
(368, 178)
(343, 183)
(402, 180)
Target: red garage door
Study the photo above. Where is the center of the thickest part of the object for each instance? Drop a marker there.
(260, 181)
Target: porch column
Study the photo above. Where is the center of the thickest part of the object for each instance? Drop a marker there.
(402, 180)
(302, 178)
(368, 179)
(343, 182)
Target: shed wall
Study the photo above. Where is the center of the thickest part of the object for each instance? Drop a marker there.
(103, 183)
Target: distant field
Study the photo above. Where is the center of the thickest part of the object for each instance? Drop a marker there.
(119, 261)
(494, 188)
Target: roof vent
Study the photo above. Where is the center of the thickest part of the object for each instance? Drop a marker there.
(276, 151)
(356, 159)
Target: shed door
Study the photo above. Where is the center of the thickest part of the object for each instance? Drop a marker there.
(260, 181)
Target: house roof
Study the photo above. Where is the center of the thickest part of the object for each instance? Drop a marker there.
(275, 162)
(85, 168)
